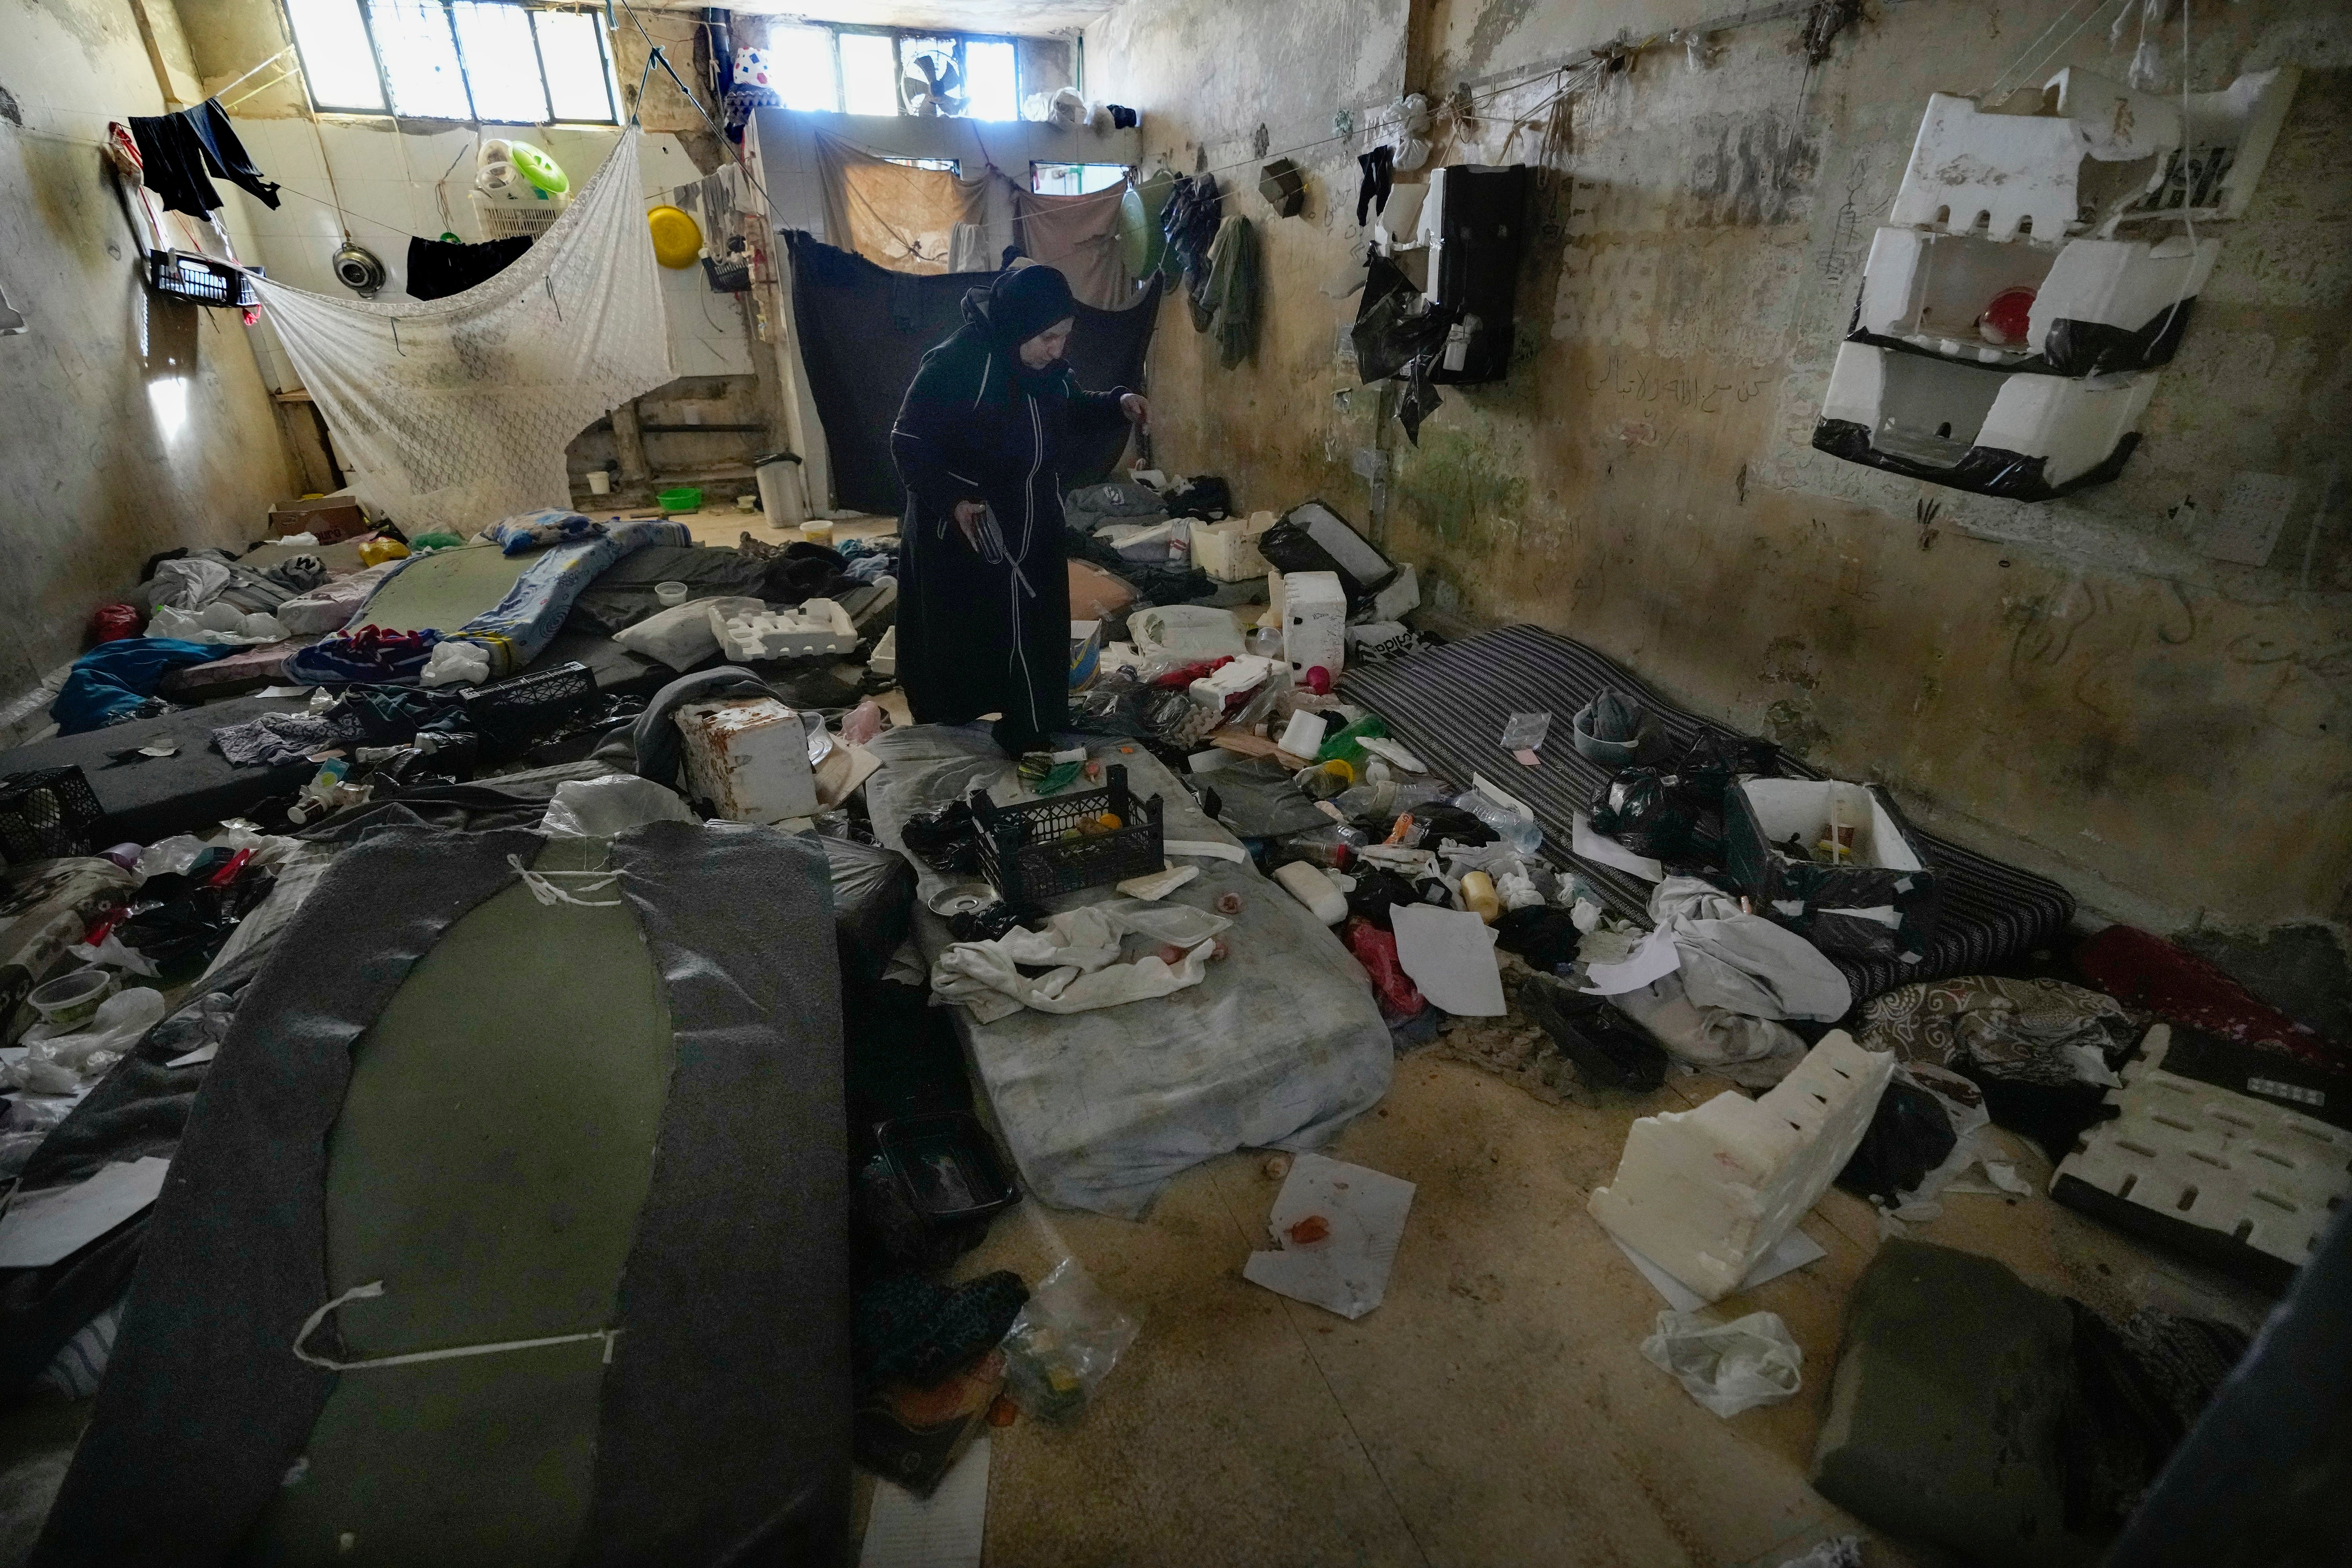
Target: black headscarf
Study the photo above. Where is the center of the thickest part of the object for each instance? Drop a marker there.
(1026, 301)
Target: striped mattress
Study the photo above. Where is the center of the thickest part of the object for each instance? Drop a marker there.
(1448, 703)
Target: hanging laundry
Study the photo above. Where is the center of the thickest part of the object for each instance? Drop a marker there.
(225, 156)
(1226, 304)
(1379, 169)
(174, 163)
(437, 268)
(1188, 223)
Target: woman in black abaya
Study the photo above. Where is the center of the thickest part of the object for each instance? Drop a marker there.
(984, 595)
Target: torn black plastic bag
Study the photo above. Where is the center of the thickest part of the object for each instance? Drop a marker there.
(722, 1422)
(873, 902)
(1395, 324)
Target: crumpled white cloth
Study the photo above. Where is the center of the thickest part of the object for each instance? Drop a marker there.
(455, 663)
(1083, 946)
(218, 622)
(1742, 961)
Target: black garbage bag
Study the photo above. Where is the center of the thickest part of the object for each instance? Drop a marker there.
(1715, 758)
(873, 904)
(1442, 822)
(1376, 889)
(1910, 1135)
(1637, 809)
(180, 921)
(1607, 1050)
(947, 839)
(1545, 937)
(1203, 496)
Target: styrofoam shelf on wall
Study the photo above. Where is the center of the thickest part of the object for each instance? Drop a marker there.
(2099, 306)
(2024, 437)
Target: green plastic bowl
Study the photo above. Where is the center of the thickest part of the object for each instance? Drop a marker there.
(686, 498)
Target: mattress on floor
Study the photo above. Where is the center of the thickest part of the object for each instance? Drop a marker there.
(157, 796)
(624, 594)
(231, 674)
(601, 1141)
(511, 606)
(1279, 1047)
(1449, 703)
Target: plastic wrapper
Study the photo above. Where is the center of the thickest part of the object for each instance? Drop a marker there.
(1525, 731)
(1516, 829)
(1376, 950)
(1728, 1367)
(58, 1063)
(1636, 809)
(1064, 1344)
(1331, 846)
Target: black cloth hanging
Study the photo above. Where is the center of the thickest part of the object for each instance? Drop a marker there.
(437, 268)
(1380, 172)
(172, 160)
(225, 156)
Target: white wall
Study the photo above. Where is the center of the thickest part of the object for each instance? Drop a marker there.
(391, 184)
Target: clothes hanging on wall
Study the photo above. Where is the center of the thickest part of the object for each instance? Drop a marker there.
(225, 156)
(1189, 222)
(1379, 171)
(179, 151)
(437, 268)
(1226, 303)
(1080, 238)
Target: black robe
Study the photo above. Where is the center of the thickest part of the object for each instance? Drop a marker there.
(987, 630)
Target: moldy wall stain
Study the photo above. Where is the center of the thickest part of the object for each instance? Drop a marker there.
(2074, 686)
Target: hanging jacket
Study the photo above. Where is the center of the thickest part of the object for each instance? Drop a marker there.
(986, 630)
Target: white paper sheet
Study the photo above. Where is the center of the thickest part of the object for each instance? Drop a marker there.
(1794, 1251)
(1656, 958)
(1345, 1270)
(944, 1530)
(1587, 845)
(1450, 955)
(42, 1228)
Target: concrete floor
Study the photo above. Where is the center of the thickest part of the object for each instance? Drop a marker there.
(1496, 1408)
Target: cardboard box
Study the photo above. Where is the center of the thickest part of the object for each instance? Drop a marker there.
(331, 518)
(1228, 550)
(1882, 900)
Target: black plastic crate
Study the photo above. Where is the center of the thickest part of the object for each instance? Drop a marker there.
(509, 715)
(1034, 851)
(46, 813)
(200, 279)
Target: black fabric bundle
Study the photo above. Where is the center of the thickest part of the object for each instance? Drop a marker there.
(178, 152)
(437, 268)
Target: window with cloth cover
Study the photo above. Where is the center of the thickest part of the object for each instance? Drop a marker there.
(487, 60)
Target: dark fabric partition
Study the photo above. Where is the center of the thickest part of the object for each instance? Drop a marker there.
(864, 329)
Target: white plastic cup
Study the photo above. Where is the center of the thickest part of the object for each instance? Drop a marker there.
(72, 1001)
(670, 594)
(599, 483)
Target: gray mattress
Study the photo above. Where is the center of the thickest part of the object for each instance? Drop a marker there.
(1278, 1048)
(159, 796)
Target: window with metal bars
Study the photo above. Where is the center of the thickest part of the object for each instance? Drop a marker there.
(487, 60)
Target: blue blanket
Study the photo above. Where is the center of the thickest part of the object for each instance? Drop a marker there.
(113, 678)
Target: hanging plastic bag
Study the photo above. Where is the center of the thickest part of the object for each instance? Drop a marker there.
(1728, 1367)
(1064, 1344)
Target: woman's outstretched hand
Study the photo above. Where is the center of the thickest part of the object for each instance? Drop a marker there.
(1138, 411)
(967, 514)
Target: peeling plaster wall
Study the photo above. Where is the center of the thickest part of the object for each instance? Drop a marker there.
(129, 429)
(2076, 685)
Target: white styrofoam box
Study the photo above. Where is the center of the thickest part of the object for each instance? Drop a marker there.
(2008, 170)
(816, 626)
(2121, 125)
(884, 661)
(1801, 807)
(2190, 1150)
(2123, 283)
(1314, 623)
(746, 759)
(1221, 685)
(1705, 1194)
(1400, 598)
(1929, 289)
(1932, 411)
(1227, 551)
